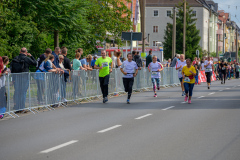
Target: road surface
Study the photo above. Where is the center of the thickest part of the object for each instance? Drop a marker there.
(162, 128)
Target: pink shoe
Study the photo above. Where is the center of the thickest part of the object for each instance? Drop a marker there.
(186, 98)
(155, 95)
(189, 101)
(1, 116)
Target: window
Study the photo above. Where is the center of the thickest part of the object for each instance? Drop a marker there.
(169, 13)
(155, 29)
(155, 43)
(155, 13)
(194, 13)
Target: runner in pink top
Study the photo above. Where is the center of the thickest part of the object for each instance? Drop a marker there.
(155, 68)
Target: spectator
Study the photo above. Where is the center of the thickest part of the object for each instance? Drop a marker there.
(43, 57)
(116, 59)
(137, 59)
(76, 81)
(149, 58)
(21, 64)
(88, 62)
(3, 95)
(61, 59)
(202, 64)
(67, 66)
(93, 61)
(237, 71)
(174, 62)
(80, 50)
(195, 61)
(168, 64)
(197, 68)
(56, 53)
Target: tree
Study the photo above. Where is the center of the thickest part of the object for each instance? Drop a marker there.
(192, 34)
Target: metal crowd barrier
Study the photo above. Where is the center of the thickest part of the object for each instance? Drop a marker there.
(33, 91)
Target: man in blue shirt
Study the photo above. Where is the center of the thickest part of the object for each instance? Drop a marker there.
(93, 61)
(56, 53)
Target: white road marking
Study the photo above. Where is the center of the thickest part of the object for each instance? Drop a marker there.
(211, 93)
(227, 88)
(108, 129)
(183, 102)
(201, 97)
(239, 85)
(59, 146)
(168, 108)
(147, 115)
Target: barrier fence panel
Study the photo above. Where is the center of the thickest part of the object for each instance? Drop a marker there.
(40, 89)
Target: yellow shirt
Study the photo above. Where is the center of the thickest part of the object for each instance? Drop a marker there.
(186, 72)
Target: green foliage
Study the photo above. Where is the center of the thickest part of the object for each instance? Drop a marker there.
(192, 34)
(31, 24)
(213, 54)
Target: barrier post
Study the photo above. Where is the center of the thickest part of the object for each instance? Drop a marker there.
(29, 92)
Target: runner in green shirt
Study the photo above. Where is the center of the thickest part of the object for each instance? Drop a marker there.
(102, 64)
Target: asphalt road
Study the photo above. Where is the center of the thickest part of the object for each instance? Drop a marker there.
(162, 128)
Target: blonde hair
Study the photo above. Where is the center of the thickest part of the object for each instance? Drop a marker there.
(89, 56)
(61, 56)
(78, 54)
(49, 58)
(154, 56)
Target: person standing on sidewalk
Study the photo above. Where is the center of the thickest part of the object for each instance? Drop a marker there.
(127, 68)
(102, 64)
(21, 64)
(149, 58)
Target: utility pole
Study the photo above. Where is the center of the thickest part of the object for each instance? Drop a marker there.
(142, 9)
(56, 38)
(184, 27)
(174, 33)
(236, 45)
(217, 47)
(223, 38)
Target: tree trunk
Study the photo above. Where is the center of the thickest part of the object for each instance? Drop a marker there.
(56, 39)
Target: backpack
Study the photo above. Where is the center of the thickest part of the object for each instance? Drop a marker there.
(17, 65)
(138, 61)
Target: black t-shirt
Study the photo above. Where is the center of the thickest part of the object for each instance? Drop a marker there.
(223, 67)
(67, 63)
(40, 60)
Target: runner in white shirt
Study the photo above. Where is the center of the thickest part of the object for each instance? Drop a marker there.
(155, 68)
(130, 69)
(179, 66)
(208, 64)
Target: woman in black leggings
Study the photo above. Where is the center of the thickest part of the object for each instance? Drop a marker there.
(223, 68)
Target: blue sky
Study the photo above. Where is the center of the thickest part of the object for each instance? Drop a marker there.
(229, 6)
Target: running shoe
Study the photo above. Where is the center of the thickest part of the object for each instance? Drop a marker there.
(189, 101)
(185, 99)
(208, 87)
(221, 82)
(183, 93)
(128, 101)
(1, 116)
(106, 99)
(155, 95)
(158, 88)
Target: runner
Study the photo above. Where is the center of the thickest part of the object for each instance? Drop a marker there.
(188, 74)
(223, 69)
(208, 64)
(179, 66)
(155, 67)
(127, 68)
(102, 64)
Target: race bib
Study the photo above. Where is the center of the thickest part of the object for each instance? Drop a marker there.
(187, 79)
(105, 64)
(154, 73)
(208, 69)
(223, 68)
